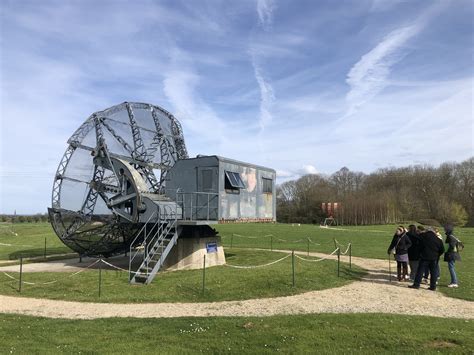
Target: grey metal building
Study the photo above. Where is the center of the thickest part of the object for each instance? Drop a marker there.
(213, 188)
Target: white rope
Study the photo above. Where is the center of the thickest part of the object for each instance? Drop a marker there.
(316, 260)
(309, 240)
(49, 282)
(113, 266)
(274, 238)
(340, 245)
(29, 283)
(257, 266)
(347, 249)
(354, 230)
(245, 236)
(16, 245)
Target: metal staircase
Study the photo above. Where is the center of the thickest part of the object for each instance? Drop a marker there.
(159, 235)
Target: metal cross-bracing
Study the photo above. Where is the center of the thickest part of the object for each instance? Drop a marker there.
(124, 144)
(91, 198)
(167, 152)
(95, 209)
(177, 131)
(82, 131)
(56, 197)
(139, 152)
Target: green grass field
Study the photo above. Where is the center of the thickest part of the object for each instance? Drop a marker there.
(221, 282)
(318, 333)
(367, 241)
(28, 240)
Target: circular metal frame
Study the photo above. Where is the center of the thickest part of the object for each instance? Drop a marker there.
(113, 157)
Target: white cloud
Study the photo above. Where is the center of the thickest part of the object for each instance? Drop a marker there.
(181, 87)
(369, 75)
(265, 13)
(308, 169)
(384, 5)
(267, 97)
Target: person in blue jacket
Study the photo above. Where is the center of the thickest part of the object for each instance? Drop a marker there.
(452, 254)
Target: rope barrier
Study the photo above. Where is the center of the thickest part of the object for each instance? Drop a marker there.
(277, 239)
(258, 266)
(354, 230)
(50, 282)
(113, 266)
(347, 249)
(340, 245)
(245, 236)
(16, 245)
(316, 260)
(309, 240)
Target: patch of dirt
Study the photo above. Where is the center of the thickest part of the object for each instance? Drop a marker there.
(441, 344)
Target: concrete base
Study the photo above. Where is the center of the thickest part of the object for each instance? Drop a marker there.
(189, 254)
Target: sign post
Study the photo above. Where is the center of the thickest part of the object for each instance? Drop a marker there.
(100, 276)
(293, 266)
(204, 274)
(21, 273)
(338, 261)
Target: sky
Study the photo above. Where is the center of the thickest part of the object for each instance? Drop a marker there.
(303, 87)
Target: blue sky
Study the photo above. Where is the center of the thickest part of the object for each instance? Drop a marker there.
(300, 86)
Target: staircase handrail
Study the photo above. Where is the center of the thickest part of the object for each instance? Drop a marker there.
(131, 258)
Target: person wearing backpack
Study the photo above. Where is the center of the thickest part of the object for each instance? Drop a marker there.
(452, 254)
(400, 244)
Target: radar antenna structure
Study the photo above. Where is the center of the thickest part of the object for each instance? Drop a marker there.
(115, 164)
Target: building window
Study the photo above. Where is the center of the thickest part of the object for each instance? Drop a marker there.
(267, 186)
(233, 182)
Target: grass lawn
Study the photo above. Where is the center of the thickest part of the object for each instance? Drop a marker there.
(367, 241)
(27, 240)
(318, 333)
(221, 282)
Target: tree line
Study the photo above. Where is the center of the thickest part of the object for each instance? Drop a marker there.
(36, 218)
(422, 193)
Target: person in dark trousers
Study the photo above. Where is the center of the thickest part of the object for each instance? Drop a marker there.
(414, 250)
(452, 254)
(420, 230)
(400, 243)
(431, 249)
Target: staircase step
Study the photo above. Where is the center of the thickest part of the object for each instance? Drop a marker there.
(140, 279)
(160, 245)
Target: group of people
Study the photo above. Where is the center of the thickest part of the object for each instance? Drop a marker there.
(421, 249)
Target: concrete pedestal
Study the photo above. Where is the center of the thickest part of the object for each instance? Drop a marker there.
(189, 253)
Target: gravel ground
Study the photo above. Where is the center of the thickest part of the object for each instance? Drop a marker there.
(373, 294)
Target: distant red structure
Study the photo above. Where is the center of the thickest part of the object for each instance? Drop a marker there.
(330, 208)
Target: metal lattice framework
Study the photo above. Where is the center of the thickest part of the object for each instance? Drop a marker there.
(91, 211)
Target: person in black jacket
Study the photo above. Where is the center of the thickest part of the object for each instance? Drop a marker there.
(431, 249)
(452, 254)
(414, 250)
(400, 243)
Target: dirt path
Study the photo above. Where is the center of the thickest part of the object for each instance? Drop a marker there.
(373, 294)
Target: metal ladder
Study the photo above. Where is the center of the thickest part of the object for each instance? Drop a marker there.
(160, 235)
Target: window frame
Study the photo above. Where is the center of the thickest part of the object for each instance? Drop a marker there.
(267, 181)
(233, 181)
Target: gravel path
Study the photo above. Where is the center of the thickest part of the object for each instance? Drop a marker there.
(373, 294)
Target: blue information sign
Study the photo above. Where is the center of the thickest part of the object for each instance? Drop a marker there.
(211, 247)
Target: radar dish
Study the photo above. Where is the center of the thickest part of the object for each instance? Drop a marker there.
(113, 159)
